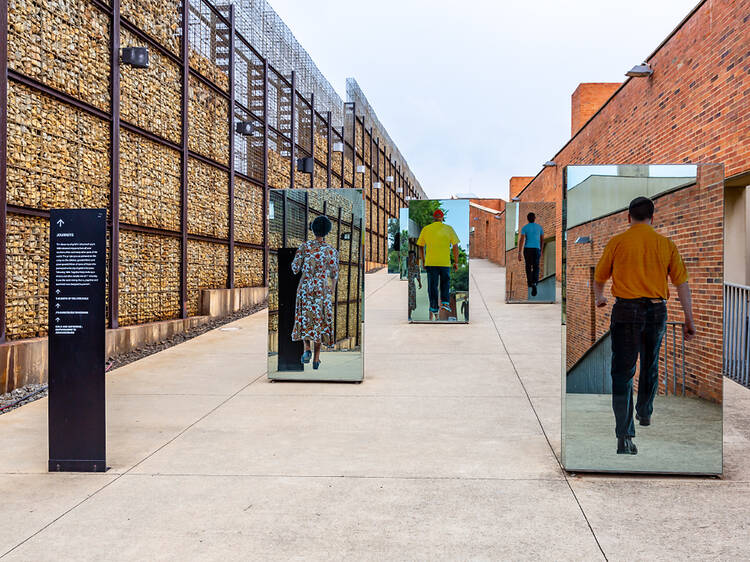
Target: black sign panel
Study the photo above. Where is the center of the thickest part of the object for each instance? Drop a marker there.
(289, 351)
(77, 265)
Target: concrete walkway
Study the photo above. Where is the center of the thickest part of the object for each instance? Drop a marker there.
(448, 450)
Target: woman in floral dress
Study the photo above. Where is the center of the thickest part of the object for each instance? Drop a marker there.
(313, 314)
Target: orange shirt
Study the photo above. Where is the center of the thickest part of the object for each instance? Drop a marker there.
(639, 261)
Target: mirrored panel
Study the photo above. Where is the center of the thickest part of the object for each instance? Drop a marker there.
(315, 274)
(530, 256)
(643, 318)
(438, 261)
(394, 247)
(404, 228)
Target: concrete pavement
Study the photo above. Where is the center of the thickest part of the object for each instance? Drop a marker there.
(447, 450)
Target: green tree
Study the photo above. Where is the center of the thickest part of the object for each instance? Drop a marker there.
(421, 212)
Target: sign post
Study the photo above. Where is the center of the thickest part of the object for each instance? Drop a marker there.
(76, 340)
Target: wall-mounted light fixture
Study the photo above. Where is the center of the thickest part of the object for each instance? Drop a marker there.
(499, 217)
(399, 190)
(244, 128)
(135, 56)
(305, 165)
(515, 198)
(388, 179)
(360, 169)
(583, 240)
(549, 164)
(346, 235)
(338, 147)
(377, 185)
(640, 71)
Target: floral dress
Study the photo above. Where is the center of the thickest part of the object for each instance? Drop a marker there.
(313, 313)
(412, 274)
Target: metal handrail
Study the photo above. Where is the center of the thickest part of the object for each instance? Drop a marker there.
(737, 333)
(674, 358)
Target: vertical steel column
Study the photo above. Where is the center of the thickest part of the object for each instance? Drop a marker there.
(230, 272)
(312, 138)
(354, 145)
(349, 281)
(284, 208)
(265, 173)
(114, 169)
(328, 158)
(372, 191)
(3, 159)
(360, 280)
(307, 215)
(349, 272)
(185, 151)
(293, 153)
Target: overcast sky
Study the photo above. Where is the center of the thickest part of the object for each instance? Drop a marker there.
(476, 92)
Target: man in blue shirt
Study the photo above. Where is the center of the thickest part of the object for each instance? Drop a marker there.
(530, 246)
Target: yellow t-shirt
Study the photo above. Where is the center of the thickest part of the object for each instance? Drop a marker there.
(437, 239)
(639, 261)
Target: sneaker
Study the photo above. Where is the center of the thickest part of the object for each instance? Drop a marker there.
(643, 420)
(306, 356)
(316, 364)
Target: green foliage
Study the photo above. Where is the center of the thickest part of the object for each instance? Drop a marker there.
(421, 212)
(460, 279)
(393, 261)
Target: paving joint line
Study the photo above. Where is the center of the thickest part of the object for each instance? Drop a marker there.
(539, 421)
(120, 475)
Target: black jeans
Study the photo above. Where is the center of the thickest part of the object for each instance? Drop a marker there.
(438, 275)
(531, 257)
(637, 328)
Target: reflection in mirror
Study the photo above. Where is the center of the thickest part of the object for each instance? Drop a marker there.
(642, 361)
(315, 296)
(403, 221)
(530, 257)
(438, 261)
(394, 246)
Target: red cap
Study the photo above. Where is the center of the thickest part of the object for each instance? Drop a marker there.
(438, 213)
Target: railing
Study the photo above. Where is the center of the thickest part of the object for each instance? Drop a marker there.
(737, 333)
(676, 328)
(591, 373)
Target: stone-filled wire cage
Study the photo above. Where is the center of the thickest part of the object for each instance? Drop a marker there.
(293, 212)
(182, 153)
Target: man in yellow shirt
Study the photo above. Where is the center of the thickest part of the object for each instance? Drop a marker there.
(639, 261)
(435, 243)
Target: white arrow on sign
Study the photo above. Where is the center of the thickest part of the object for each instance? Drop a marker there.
(60, 222)
(57, 319)
(57, 305)
(57, 292)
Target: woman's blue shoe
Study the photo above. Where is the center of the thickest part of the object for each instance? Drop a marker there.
(316, 364)
(306, 356)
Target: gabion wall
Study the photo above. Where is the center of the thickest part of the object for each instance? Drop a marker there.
(190, 212)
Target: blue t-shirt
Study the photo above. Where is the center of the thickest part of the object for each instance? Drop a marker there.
(533, 233)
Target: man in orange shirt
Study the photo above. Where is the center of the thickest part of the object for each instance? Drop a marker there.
(639, 261)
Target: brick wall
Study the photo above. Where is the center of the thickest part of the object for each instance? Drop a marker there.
(488, 238)
(694, 108)
(587, 99)
(517, 184)
(515, 271)
(693, 218)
